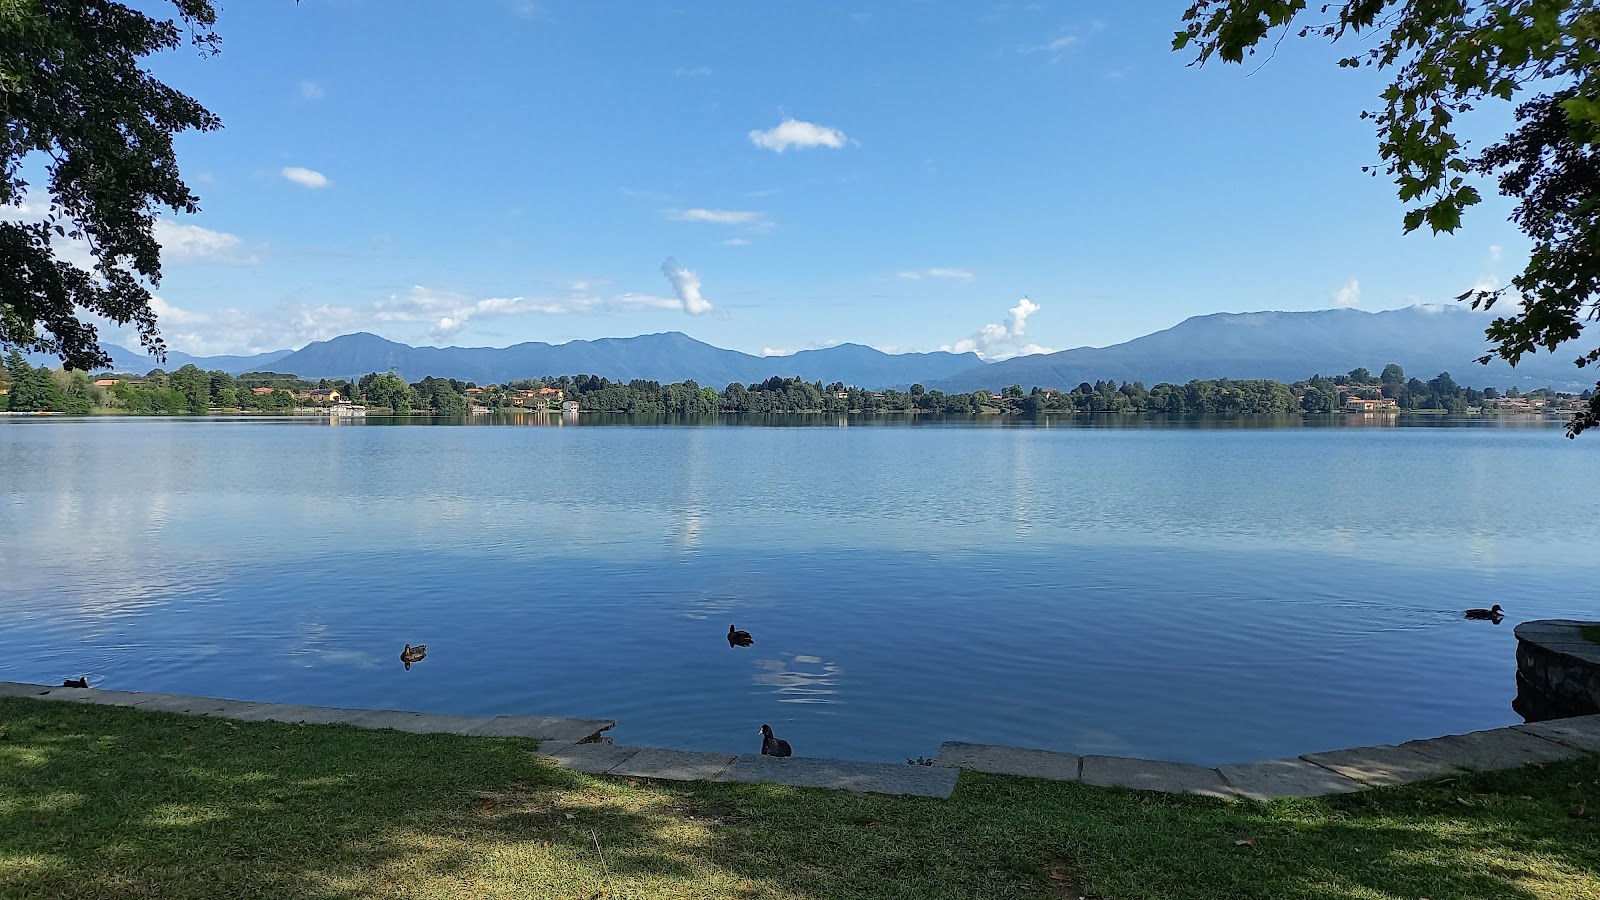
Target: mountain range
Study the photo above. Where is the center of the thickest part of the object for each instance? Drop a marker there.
(1285, 346)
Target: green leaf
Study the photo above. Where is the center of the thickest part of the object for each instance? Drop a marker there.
(1413, 220)
(1180, 40)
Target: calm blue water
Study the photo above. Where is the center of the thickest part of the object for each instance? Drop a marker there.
(1209, 595)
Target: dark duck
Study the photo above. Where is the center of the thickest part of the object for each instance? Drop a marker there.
(413, 654)
(774, 746)
(76, 682)
(1486, 615)
(737, 638)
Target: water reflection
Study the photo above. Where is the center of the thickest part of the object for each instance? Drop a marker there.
(802, 679)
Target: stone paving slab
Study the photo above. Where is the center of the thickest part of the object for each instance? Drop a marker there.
(102, 698)
(309, 715)
(544, 728)
(197, 706)
(1286, 778)
(850, 775)
(414, 722)
(673, 765)
(1010, 760)
(1382, 764)
(1500, 748)
(1582, 732)
(595, 759)
(19, 689)
(1154, 775)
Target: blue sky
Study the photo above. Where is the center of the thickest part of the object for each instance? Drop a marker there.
(497, 171)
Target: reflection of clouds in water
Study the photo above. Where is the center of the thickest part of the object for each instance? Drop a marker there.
(314, 637)
(710, 606)
(799, 685)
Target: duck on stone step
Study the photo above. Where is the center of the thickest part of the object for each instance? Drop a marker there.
(773, 746)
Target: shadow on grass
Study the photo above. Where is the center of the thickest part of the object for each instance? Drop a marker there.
(103, 801)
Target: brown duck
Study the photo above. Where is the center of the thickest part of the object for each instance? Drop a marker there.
(413, 654)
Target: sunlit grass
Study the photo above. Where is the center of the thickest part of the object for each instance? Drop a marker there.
(120, 803)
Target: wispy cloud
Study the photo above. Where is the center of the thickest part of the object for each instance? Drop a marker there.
(686, 285)
(776, 351)
(1002, 341)
(305, 177)
(1349, 296)
(949, 274)
(717, 216)
(1495, 252)
(182, 243)
(692, 72)
(310, 90)
(798, 134)
(735, 242)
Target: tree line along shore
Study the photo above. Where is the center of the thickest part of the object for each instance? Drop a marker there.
(191, 390)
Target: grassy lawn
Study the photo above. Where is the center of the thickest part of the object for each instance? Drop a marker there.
(1592, 632)
(110, 802)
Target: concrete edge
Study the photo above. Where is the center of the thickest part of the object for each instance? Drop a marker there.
(570, 754)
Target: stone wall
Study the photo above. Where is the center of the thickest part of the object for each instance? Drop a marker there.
(1558, 670)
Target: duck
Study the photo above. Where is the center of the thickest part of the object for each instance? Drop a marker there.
(413, 654)
(76, 682)
(737, 638)
(1493, 614)
(774, 746)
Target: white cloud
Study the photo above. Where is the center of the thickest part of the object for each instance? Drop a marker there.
(795, 133)
(686, 285)
(1349, 296)
(305, 177)
(1495, 252)
(1057, 47)
(775, 351)
(182, 243)
(1002, 341)
(717, 216)
(735, 242)
(692, 72)
(310, 90)
(951, 274)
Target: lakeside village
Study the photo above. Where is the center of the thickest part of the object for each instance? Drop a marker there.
(190, 390)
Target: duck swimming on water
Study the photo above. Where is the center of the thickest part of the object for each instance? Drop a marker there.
(76, 682)
(737, 638)
(773, 746)
(1490, 615)
(413, 654)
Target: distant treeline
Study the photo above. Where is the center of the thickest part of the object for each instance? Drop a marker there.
(192, 390)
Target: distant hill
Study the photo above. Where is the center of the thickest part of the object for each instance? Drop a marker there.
(1286, 346)
(668, 357)
(138, 362)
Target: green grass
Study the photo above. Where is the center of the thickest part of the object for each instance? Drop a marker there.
(1591, 632)
(111, 802)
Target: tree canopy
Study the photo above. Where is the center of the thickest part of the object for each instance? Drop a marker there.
(79, 104)
(1448, 57)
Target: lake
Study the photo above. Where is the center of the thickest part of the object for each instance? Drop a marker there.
(1201, 594)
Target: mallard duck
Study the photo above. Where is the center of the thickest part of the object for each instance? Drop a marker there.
(413, 654)
(773, 746)
(1491, 614)
(737, 638)
(76, 682)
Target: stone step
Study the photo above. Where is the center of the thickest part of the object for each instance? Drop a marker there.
(1582, 732)
(1154, 775)
(1272, 778)
(843, 774)
(1499, 748)
(1381, 764)
(672, 765)
(1010, 761)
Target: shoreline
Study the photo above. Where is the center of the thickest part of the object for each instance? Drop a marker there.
(579, 745)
